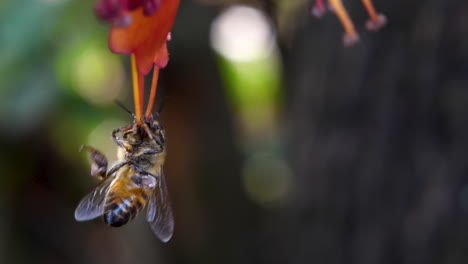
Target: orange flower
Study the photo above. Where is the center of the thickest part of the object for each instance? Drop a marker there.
(375, 22)
(140, 28)
(146, 35)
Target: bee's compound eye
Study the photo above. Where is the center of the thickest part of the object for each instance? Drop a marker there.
(148, 182)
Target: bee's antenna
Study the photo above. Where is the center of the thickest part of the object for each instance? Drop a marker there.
(117, 102)
(161, 105)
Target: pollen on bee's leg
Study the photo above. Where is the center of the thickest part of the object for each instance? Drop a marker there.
(148, 182)
(350, 37)
(376, 20)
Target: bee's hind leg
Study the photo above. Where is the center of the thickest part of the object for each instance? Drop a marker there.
(152, 151)
(142, 172)
(98, 162)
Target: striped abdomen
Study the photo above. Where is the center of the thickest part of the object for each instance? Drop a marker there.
(123, 202)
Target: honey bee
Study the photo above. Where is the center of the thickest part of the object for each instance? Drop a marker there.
(136, 180)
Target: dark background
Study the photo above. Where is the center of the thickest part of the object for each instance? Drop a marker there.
(374, 140)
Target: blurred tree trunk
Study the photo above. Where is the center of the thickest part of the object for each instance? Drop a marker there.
(212, 211)
(379, 139)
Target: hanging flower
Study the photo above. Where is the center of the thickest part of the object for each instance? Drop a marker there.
(375, 22)
(140, 28)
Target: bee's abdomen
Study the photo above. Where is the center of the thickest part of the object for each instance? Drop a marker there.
(119, 211)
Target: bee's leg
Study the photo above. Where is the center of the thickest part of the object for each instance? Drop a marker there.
(161, 138)
(116, 168)
(152, 152)
(116, 138)
(155, 125)
(143, 172)
(155, 138)
(158, 139)
(160, 143)
(147, 130)
(128, 132)
(98, 162)
(162, 135)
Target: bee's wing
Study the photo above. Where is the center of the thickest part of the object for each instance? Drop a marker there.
(159, 213)
(92, 205)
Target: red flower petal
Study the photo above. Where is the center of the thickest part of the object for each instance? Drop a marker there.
(162, 57)
(146, 36)
(108, 10)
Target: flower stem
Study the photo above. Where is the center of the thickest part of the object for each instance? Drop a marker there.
(136, 91)
(154, 88)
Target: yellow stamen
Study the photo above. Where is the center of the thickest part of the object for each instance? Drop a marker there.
(154, 88)
(370, 10)
(376, 20)
(136, 91)
(141, 83)
(340, 11)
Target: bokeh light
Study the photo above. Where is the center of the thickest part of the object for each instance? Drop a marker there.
(88, 69)
(267, 179)
(99, 76)
(246, 42)
(242, 33)
(101, 139)
(67, 146)
(250, 67)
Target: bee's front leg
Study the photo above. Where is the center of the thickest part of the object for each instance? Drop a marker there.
(124, 130)
(116, 168)
(98, 162)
